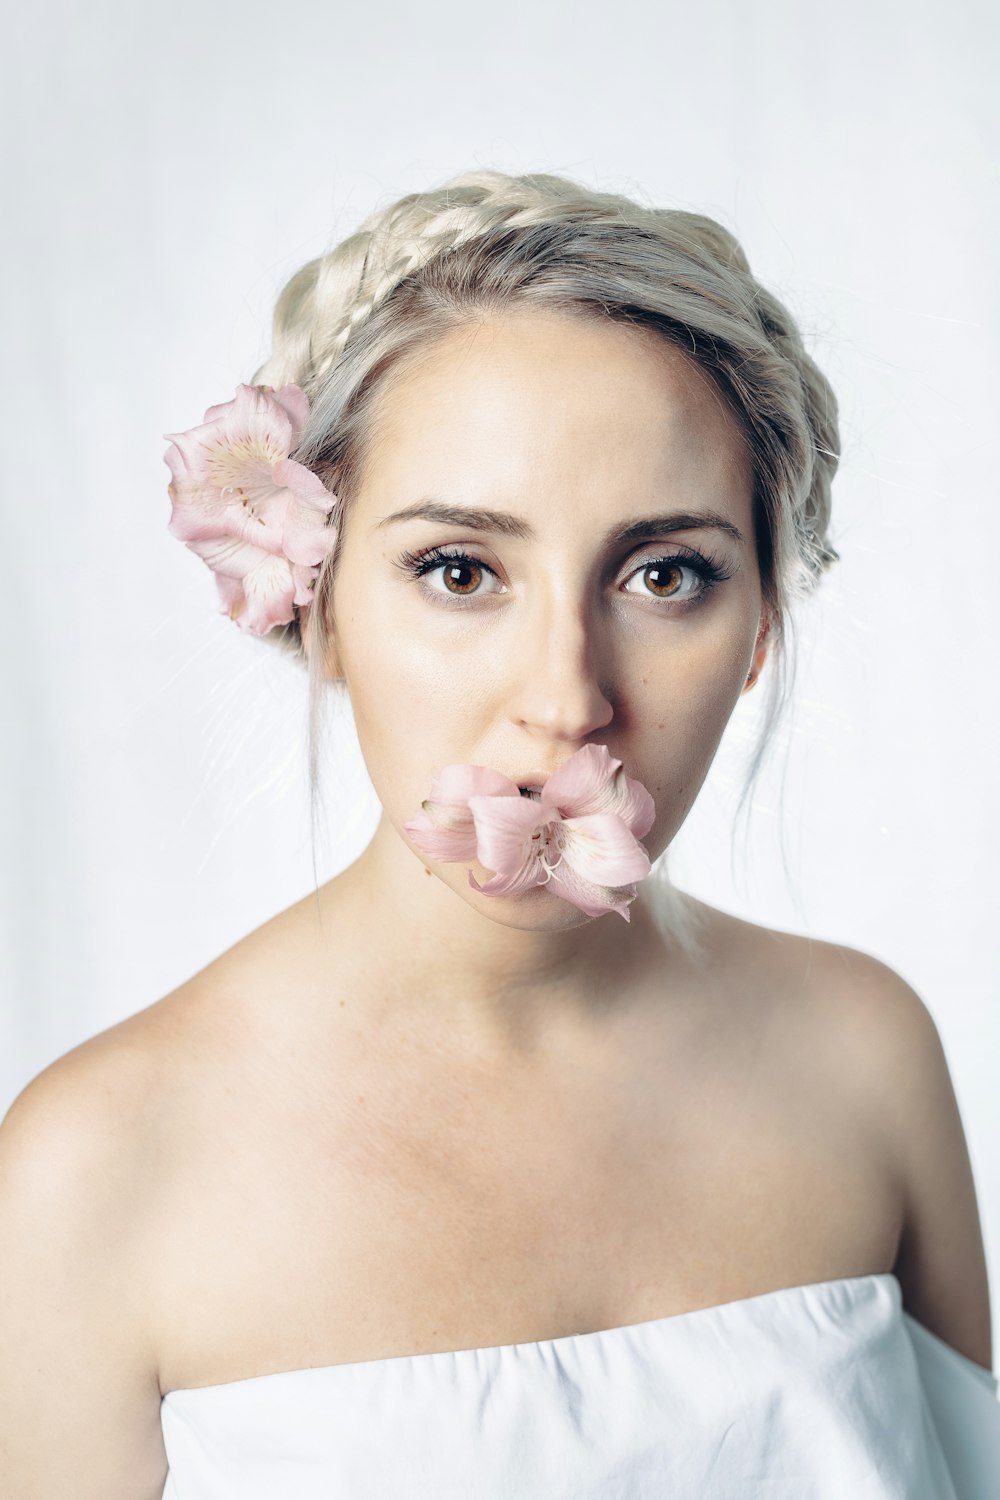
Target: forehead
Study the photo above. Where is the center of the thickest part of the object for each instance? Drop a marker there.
(557, 409)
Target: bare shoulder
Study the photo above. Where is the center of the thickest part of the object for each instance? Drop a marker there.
(104, 1097)
(850, 1015)
(900, 1060)
(100, 1114)
(77, 1356)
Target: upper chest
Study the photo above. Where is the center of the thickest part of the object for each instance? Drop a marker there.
(319, 1210)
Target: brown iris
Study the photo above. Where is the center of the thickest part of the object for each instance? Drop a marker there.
(461, 567)
(673, 569)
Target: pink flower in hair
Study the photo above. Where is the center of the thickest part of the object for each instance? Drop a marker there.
(580, 836)
(257, 518)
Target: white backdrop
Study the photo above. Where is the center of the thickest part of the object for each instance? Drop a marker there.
(174, 164)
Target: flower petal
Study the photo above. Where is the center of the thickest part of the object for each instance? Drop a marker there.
(307, 536)
(258, 600)
(295, 404)
(637, 807)
(202, 514)
(445, 828)
(268, 588)
(443, 832)
(530, 875)
(176, 458)
(592, 781)
(593, 899)
(291, 398)
(230, 556)
(235, 442)
(196, 512)
(234, 600)
(580, 782)
(459, 782)
(254, 417)
(219, 410)
(304, 578)
(513, 834)
(514, 840)
(266, 582)
(601, 848)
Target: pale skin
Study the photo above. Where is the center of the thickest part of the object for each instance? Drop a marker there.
(402, 1116)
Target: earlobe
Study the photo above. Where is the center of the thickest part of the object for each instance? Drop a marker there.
(760, 653)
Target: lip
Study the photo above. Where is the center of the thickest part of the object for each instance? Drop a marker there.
(532, 781)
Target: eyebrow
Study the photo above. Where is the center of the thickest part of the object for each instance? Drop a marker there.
(515, 526)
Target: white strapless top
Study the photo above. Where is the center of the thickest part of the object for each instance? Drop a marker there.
(829, 1391)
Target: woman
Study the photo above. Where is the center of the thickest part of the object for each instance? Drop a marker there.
(494, 1167)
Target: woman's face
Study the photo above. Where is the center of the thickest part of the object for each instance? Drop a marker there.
(529, 567)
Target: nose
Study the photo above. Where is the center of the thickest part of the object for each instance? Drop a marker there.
(558, 692)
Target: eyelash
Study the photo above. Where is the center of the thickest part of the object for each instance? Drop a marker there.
(710, 570)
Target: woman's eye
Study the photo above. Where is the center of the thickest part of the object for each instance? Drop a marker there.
(667, 580)
(460, 576)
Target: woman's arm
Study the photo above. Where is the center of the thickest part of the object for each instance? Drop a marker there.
(79, 1397)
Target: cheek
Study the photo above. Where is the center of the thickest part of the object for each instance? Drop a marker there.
(403, 681)
(684, 701)
(692, 682)
(415, 702)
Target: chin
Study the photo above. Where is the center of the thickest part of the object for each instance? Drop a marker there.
(540, 909)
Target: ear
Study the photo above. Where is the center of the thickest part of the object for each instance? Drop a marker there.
(760, 650)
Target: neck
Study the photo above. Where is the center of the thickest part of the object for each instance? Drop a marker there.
(436, 963)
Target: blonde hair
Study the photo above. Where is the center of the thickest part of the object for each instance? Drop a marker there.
(484, 242)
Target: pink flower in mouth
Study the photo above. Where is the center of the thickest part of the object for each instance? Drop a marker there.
(256, 517)
(580, 837)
